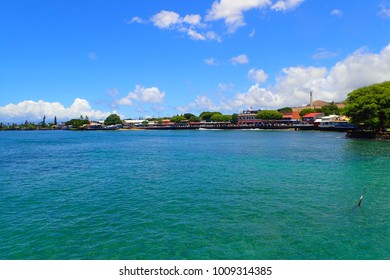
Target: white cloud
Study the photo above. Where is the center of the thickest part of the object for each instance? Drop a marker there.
(195, 35)
(187, 24)
(293, 85)
(136, 20)
(212, 36)
(200, 103)
(284, 5)
(165, 19)
(336, 12)
(258, 76)
(35, 110)
(211, 61)
(240, 59)
(146, 95)
(384, 9)
(322, 53)
(192, 19)
(231, 11)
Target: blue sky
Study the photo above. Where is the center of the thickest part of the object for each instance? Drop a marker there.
(162, 58)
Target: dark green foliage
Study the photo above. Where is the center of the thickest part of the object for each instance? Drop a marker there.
(194, 118)
(370, 106)
(285, 110)
(206, 116)
(178, 119)
(188, 115)
(220, 118)
(112, 119)
(76, 123)
(234, 118)
(306, 111)
(269, 115)
(330, 109)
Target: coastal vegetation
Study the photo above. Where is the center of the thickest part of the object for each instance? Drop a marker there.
(112, 120)
(269, 115)
(367, 107)
(370, 106)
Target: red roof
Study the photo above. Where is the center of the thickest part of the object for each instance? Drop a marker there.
(296, 115)
(311, 115)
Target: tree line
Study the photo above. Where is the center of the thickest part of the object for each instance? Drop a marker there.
(367, 106)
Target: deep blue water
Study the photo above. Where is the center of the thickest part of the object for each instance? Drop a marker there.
(193, 195)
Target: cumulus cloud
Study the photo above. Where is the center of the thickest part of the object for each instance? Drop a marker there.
(293, 85)
(166, 19)
(284, 5)
(188, 24)
(141, 94)
(35, 110)
(240, 59)
(384, 9)
(231, 11)
(258, 76)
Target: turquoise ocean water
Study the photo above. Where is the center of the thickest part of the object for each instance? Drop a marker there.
(193, 195)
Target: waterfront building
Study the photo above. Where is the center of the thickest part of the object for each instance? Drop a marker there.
(311, 118)
(248, 117)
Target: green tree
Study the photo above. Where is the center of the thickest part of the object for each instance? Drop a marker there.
(220, 118)
(285, 110)
(76, 123)
(235, 118)
(178, 119)
(43, 123)
(188, 115)
(370, 105)
(306, 111)
(269, 115)
(112, 119)
(330, 109)
(206, 116)
(194, 119)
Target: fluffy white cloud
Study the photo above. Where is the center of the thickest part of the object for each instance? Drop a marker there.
(147, 95)
(35, 110)
(293, 86)
(258, 76)
(192, 19)
(186, 24)
(284, 5)
(166, 19)
(231, 11)
(240, 59)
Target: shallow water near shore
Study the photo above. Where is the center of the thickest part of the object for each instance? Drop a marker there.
(193, 195)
